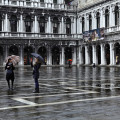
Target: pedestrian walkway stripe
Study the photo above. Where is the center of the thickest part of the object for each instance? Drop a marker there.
(62, 102)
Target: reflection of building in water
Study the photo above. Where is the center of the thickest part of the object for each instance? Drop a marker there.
(55, 30)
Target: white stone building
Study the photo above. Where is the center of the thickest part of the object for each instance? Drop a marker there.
(60, 32)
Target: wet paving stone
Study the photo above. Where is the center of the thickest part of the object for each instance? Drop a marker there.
(77, 93)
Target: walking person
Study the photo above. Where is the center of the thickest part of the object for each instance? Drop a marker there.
(36, 68)
(10, 73)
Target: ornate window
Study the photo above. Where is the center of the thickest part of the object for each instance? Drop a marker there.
(0, 23)
(90, 22)
(28, 23)
(68, 26)
(42, 25)
(83, 24)
(13, 23)
(55, 1)
(116, 15)
(106, 18)
(98, 19)
(55, 25)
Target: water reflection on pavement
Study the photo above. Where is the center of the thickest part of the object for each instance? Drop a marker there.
(77, 93)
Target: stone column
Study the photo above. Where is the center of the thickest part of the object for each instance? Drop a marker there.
(6, 23)
(86, 22)
(87, 59)
(49, 25)
(102, 18)
(112, 16)
(112, 54)
(21, 55)
(94, 55)
(74, 56)
(103, 61)
(63, 56)
(62, 26)
(94, 21)
(21, 23)
(80, 55)
(36, 25)
(79, 25)
(49, 56)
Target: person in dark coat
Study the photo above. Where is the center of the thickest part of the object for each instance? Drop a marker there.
(36, 68)
(9, 73)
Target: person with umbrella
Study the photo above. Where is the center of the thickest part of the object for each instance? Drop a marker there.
(9, 73)
(36, 68)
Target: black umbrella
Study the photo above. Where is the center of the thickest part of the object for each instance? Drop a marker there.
(38, 56)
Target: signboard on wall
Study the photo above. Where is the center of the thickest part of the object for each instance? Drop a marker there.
(93, 35)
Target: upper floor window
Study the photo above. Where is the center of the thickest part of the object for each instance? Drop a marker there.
(42, 1)
(116, 15)
(55, 25)
(90, 22)
(55, 1)
(98, 20)
(106, 18)
(0, 23)
(83, 24)
(28, 23)
(42, 25)
(13, 23)
(68, 26)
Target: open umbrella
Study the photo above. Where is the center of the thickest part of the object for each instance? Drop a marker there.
(15, 59)
(38, 56)
(70, 60)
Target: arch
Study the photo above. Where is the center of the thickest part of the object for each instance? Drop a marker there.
(13, 50)
(43, 52)
(83, 54)
(83, 24)
(98, 19)
(1, 55)
(28, 23)
(42, 24)
(117, 52)
(98, 50)
(90, 22)
(27, 55)
(55, 25)
(116, 15)
(13, 23)
(55, 55)
(68, 26)
(68, 54)
(106, 18)
(90, 54)
(107, 53)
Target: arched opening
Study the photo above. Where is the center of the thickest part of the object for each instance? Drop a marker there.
(28, 23)
(98, 20)
(83, 54)
(1, 55)
(42, 24)
(116, 15)
(117, 53)
(68, 54)
(13, 23)
(55, 55)
(27, 55)
(107, 53)
(90, 54)
(99, 54)
(42, 51)
(90, 22)
(106, 18)
(68, 26)
(55, 25)
(83, 24)
(0, 23)
(13, 50)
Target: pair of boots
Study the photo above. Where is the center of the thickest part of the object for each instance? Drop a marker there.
(36, 90)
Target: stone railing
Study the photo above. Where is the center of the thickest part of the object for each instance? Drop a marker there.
(34, 4)
(40, 36)
(112, 29)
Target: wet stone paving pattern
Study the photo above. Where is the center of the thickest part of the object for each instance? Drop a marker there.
(76, 93)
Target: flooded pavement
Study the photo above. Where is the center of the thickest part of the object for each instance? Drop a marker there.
(77, 93)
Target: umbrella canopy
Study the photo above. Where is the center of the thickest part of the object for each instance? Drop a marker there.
(15, 59)
(38, 56)
(69, 59)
